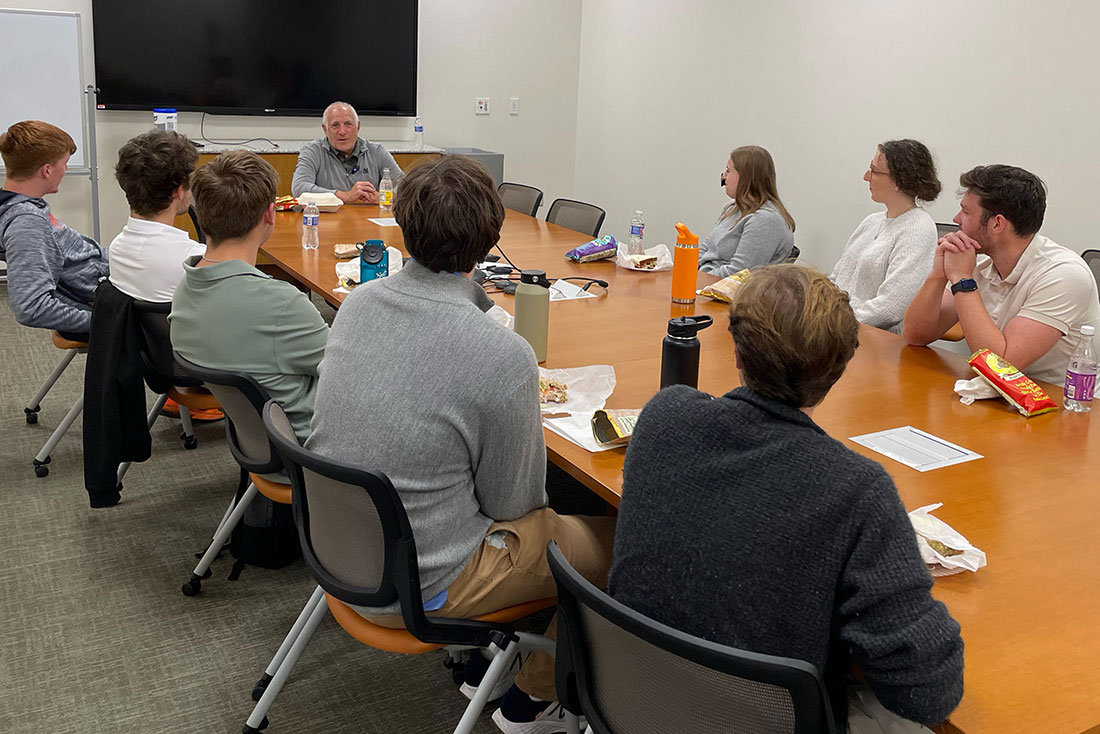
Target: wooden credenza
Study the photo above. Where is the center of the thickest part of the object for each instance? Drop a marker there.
(285, 157)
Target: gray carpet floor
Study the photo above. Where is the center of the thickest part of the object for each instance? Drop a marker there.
(96, 636)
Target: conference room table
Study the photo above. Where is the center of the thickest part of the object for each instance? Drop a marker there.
(1030, 618)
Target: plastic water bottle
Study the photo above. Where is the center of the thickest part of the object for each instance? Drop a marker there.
(385, 192)
(1081, 374)
(418, 134)
(311, 216)
(637, 232)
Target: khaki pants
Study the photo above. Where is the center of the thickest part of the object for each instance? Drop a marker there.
(509, 568)
(867, 716)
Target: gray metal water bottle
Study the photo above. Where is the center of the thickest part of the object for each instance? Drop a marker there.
(533, 310)
(680, 351)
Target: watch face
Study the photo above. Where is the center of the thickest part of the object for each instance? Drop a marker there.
(965, 285)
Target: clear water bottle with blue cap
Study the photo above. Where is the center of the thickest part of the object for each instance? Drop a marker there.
(311, 218)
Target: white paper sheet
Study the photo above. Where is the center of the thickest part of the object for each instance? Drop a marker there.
(385, 221)
(563, 290)
(578, 429)
(915, 448)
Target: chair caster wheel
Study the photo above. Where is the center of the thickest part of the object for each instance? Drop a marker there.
(31, 415)
(261, 686)
(190, 442)
(192, 587)
(249, 730)
(40, 468)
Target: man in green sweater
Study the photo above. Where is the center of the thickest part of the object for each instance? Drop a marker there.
(228, 315)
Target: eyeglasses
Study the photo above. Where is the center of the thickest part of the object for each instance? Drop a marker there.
(873, 171)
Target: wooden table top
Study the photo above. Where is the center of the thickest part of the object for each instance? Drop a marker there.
(1030, 619)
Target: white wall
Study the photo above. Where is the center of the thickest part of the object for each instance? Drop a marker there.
(668, 89)
(483, 48)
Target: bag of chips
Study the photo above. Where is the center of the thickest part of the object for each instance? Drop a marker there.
(1013, 385)
(724, 289)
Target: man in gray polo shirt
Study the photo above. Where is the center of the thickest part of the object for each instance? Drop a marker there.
(343, 163)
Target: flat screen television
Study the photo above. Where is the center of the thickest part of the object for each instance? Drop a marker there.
(256, 57)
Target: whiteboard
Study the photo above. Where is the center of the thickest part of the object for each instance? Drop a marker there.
(43, 74)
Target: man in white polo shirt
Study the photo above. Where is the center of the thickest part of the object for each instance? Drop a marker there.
(1011, 289)
(154, 171)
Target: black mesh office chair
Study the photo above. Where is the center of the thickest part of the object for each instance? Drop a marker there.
(943, 228)
(629, 674)
(1092, 259)
(242, 399)
(358, 544)
(577, 215)
(520, 197)
(195, 221)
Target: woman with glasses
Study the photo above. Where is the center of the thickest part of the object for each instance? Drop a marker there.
(755, 228)
(889, 255)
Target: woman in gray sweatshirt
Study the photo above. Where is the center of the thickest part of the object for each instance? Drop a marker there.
(755, 228)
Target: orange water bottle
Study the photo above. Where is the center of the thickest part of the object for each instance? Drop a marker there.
(685, 265)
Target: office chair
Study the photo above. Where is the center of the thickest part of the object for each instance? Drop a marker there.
(163, 374)
(629, 674)
(1092, 259)
(943, 228)
(71, 349)
(358, 544)
(577, 215)
(195, 221)
(242, 399)
(520, 197)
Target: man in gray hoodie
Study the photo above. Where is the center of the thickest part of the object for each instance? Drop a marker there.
(53, 271)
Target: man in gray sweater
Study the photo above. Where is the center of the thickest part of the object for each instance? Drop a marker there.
(53, 271)
(343, 163)
(419, 383)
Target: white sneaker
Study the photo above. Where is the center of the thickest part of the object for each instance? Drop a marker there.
(507, 678)
(550, 720)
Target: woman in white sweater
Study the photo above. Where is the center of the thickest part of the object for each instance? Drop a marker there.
(755, 228)
(889, 255)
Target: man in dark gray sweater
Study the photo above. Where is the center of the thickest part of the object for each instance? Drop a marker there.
(419, 383)
(742, 522)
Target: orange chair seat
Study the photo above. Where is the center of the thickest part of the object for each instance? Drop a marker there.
(954, 334)
(274, 491)
(194, 398)
(62, 343)
(400, 640)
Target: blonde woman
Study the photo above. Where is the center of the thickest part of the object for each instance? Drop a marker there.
(755, 228)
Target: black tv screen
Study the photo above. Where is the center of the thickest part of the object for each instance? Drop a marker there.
(256, 57)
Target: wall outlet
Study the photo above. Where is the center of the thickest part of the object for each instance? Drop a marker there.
(513, 105)
(481, 105)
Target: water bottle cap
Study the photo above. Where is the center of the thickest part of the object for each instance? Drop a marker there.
(373, 251)
(1088, 330)
(685, 236)
(685, 327)
(534, 277)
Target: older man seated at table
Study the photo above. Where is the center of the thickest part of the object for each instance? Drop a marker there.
(744, 523)
(343, 163)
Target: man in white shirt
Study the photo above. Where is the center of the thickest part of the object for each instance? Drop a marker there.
(154, 171)
(1012, 290)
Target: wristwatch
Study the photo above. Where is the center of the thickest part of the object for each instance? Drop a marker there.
(965, 285)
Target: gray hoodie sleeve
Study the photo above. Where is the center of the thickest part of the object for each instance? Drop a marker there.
(34, 270)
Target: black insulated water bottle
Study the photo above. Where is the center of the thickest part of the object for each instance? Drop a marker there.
(680, 351)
